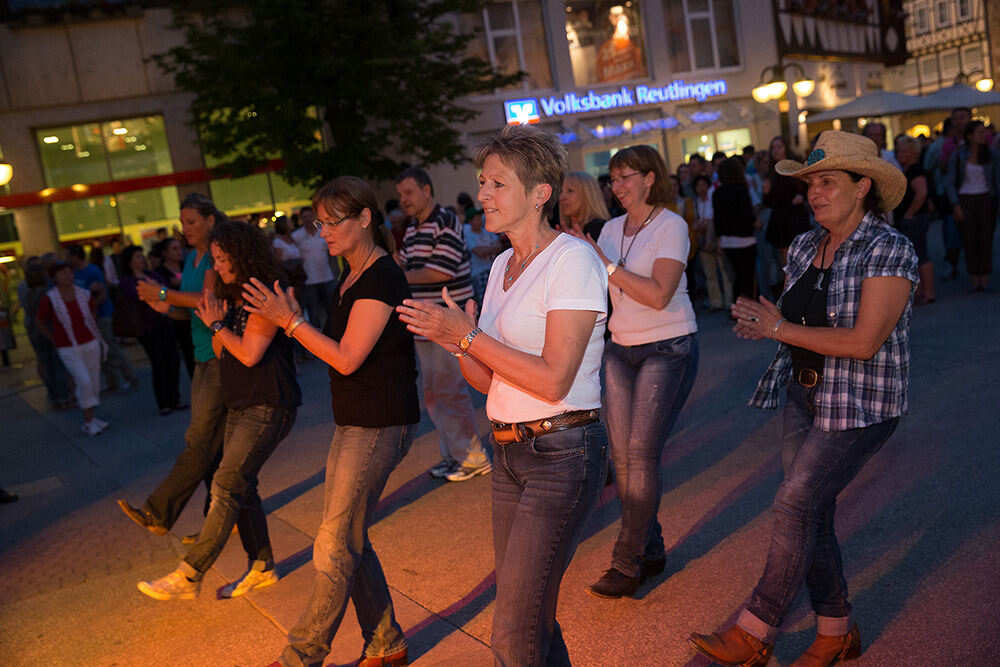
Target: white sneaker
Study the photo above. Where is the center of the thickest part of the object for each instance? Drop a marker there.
(462, 473)
(442, 468)
(92, 427)
(101, 423)
(252, 580)
(174, 586)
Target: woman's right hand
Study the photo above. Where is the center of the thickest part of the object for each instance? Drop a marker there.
(958, 213)
(148, 289)
(278, 307)
(577, 231)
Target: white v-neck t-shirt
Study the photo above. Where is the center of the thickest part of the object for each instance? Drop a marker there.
(566, 275)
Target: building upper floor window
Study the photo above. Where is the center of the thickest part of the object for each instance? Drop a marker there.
(964, 10)
(942, 13)
(701, 34)
(513, 40)
(605, 41)
(921, 19)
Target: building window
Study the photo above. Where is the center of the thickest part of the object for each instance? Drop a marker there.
(949, 65)
(964, 10)
(110, 151)
(929, 70)
(972, 59)
(512, 39)
(910, 74)
(921, 19)
(942, 13)
(730, 142)
(605, 41)
(701, 34)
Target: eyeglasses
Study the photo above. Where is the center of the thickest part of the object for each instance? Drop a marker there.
(620, 179)
(329, 224)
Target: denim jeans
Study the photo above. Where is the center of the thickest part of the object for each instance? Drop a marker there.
(817, 466)
(251, 435)
(357, 468)
(202, 451)
(646, 387)
(543, 491)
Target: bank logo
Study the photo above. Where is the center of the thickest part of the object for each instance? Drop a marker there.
(522, 112)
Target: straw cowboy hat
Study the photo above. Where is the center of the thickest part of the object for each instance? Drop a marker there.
(843, 151)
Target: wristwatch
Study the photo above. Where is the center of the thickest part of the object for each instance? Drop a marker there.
(163, 294)
(611, 267)
(216, 327)
(467, 341)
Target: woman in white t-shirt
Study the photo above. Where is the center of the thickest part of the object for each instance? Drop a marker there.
(536, 352)
(652, 359)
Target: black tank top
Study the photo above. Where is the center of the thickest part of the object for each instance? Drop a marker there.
(270, 382)
(805, 303)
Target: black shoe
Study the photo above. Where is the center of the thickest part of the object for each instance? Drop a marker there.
(142, 517)
(613, 584)
(651, 568)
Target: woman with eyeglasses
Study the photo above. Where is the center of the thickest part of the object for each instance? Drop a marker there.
(373, 386)
(652, 359)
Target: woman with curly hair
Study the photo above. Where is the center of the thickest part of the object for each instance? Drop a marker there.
(261, 395)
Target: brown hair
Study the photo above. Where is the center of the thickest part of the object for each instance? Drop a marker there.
(536, 156)
(644, 160)
(352, 195)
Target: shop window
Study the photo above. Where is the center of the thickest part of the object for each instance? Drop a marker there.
(730, 142)
(110, 151)
(701, 34)
(605, 42)
(942, 13)
(8, 230)
(512, 39)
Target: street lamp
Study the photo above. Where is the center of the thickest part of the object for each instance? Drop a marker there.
(772, 86)
(984, 84)
(6, 173)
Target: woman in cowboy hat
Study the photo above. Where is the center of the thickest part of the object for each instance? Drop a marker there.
(842, 325)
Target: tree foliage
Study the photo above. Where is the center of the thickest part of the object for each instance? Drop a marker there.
(385, 76)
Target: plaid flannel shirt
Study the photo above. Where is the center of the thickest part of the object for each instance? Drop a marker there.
(853, 393)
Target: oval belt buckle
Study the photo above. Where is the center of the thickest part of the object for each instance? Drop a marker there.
(546, 425)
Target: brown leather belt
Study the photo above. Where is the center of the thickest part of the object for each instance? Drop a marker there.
(807, 377)
(505, 434)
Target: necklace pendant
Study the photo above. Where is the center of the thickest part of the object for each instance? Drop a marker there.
(621, 262)
(819, 281)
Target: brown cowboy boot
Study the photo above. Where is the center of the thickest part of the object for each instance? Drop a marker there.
(831, 649)
(734, 647)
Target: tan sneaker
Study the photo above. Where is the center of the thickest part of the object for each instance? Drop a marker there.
(174, 586)
(253, 579)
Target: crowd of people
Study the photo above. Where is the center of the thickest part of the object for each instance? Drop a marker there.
(570, 302)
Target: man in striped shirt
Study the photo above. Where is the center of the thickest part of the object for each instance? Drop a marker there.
(434, 256)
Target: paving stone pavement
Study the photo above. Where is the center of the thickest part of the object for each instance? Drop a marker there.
(918, 527)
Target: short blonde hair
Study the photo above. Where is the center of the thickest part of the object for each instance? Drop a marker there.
(594, 205)
(536, 156)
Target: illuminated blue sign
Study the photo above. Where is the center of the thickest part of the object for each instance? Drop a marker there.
(521, 112)
(528, 110)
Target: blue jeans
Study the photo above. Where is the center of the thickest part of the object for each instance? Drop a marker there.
(543, 491)
(251, 436)
(357, 469)
(646, 387)
(817, 465)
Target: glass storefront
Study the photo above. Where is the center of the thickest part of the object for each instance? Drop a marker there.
(730, 142)
(110, 151)
(605, 41)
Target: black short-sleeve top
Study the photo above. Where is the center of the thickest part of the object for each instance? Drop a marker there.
(271, 381)
(383, 390)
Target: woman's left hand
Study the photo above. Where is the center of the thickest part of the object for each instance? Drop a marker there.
(277, 306)
(755, 319)
(577, 231)
(210, 309)
(444, 326)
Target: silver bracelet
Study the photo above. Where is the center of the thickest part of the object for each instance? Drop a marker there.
(299, 321)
